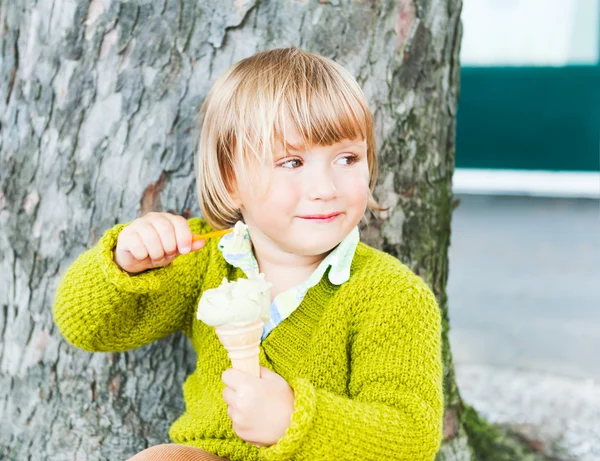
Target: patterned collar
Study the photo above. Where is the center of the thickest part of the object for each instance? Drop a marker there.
(240, 255)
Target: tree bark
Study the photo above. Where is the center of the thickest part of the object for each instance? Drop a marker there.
(97, 103)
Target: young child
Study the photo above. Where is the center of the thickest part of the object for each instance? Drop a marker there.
(351, 358)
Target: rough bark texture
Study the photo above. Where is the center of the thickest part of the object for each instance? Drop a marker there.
(97, 106)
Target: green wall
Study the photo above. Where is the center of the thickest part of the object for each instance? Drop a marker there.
(542, 118)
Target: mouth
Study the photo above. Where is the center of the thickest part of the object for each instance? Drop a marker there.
(321, 217)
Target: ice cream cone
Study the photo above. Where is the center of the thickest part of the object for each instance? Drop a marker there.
(242, 345)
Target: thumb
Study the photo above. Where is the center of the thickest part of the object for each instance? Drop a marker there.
(197, 244)
(265, 373)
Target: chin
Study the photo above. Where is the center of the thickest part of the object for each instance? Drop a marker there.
(316, 250)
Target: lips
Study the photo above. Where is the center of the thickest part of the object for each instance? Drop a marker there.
(321, 216)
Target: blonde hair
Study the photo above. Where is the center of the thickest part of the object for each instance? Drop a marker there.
(243, 115)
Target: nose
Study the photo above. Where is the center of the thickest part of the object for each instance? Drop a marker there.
(321, 183)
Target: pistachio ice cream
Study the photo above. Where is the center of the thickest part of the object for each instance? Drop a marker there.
(236, 303)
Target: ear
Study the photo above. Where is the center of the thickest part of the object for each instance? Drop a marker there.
(232, 188)
(236, 199)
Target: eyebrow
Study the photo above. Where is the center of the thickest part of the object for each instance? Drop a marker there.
(292, 148)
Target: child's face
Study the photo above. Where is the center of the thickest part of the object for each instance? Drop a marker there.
(315, 198)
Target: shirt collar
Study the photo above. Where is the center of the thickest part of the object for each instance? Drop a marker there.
(240, 255)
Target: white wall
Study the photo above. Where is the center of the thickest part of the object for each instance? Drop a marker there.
(530, 32)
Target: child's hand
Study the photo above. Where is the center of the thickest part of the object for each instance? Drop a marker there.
(260, 408)
(154, 240)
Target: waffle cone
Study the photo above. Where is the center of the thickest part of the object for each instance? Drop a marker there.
(241, 344)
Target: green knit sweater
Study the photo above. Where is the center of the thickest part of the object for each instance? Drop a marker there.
(363, 358)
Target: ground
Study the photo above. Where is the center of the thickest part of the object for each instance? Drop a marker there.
(524, 291)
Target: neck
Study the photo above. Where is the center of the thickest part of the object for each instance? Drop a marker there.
(282, 268)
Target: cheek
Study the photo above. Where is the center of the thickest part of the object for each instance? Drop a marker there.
(356, 186)
(283, 194)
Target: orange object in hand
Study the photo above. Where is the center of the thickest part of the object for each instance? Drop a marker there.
(211, 234)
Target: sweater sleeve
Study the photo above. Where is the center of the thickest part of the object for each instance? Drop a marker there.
(100, 308)
(395, 408)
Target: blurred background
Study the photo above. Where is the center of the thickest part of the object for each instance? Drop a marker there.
(524, 283)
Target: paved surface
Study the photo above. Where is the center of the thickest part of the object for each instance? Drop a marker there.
(524, 299)
(524, 284)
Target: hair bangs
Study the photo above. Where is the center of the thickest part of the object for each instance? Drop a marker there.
(321, 107)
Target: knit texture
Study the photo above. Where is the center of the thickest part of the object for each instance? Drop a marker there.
(363, 358)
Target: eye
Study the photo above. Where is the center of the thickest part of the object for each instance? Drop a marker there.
(348, 159)
(291, 163)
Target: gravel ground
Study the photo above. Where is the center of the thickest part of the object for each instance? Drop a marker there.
(562, 414)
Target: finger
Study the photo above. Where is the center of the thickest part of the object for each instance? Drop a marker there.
(183, 234)
(135, 246)
(229, 396)
(265, 373)
(152, 241)
(235, 417)
(166, 233)
(234, 378)
(197, 244)
(245, 433)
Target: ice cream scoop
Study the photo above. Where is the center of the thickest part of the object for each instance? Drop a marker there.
(240, 240)
(236, 303)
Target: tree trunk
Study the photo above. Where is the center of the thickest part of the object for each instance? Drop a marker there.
(97, 105)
